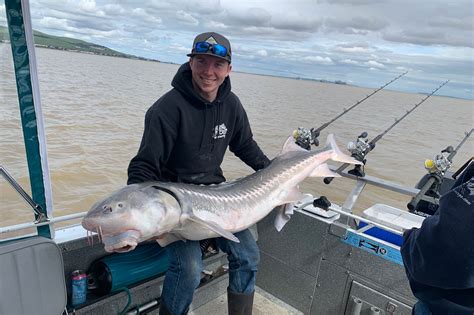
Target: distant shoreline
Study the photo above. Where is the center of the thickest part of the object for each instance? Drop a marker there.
(132, 57)
(90, 52)
(155, 60)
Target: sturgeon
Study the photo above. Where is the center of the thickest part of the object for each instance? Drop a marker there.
(169, 212)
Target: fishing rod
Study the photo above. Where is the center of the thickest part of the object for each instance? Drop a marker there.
(436, 168)
(362, 146)
(305, 138)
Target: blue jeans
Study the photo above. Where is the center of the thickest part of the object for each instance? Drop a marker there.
(421, 308)
(184, 272)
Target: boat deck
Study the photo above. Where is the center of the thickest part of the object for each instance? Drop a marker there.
(264, 303)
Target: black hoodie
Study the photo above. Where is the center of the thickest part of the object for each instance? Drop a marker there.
(185, 137)
(439, 257)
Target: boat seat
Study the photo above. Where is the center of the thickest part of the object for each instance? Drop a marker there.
(32, 277)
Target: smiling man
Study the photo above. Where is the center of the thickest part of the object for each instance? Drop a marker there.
(187, 132)
(208, 70)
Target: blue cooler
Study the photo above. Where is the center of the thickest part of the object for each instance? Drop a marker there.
(391, 217)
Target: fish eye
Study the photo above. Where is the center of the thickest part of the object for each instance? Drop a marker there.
(120, 205)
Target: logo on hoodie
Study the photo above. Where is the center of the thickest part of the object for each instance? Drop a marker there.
(219, 131)
(466, 191)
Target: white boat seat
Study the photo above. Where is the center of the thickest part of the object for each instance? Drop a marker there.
(32, 277)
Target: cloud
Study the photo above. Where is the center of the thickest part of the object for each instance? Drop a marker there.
(433, 38)
(251, 17)
(350, 62)
(296, 22)
(428, 37)
(204, 7)
(319, 60)
(87, 5)
(143, 15)
(355, 24)
(374, 64)
(186, 18)
(113, 9)
(352, 2)
(217, 26)
(454, 23)
(353, 49)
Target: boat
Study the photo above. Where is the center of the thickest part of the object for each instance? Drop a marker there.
(328, 260)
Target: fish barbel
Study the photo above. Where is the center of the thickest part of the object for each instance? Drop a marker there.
(170, 212)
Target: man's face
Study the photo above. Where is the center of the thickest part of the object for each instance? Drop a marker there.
(208, 73)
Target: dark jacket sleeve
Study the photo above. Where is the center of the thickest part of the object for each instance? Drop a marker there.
(440, 254)
(157, 143)
(244, 146)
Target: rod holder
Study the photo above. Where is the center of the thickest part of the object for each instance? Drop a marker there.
(375, 311)
(356, 306)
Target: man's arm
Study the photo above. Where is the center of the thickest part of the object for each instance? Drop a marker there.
(155, 148)
(244, 146)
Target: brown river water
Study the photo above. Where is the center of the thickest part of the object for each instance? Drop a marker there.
(94, 108)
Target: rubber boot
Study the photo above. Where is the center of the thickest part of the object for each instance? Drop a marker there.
(239, 303)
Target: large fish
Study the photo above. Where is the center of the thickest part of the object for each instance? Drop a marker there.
(169, 212)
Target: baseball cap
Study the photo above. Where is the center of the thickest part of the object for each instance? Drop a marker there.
(213, 44)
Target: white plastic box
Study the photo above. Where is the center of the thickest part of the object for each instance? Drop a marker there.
(393, 217)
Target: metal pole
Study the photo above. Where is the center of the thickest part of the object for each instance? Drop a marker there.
(24, 61)
(36, 207)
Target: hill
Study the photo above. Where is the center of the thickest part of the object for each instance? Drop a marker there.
(70, 44)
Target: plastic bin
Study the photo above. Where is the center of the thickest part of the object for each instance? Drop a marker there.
(392, 217)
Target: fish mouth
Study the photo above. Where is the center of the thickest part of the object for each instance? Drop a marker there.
(122, 242)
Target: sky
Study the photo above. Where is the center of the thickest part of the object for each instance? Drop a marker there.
(361, 42)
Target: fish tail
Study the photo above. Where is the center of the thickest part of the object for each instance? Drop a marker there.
(337, 154)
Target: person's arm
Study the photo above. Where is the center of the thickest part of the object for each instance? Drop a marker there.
(440, 253)
(157, 143)
(244, 146)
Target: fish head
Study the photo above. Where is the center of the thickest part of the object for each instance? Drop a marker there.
(132, 214)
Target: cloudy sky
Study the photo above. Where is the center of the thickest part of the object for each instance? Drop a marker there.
(361, 42)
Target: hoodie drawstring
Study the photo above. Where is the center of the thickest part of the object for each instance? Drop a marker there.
(215, 128)
(205, 125)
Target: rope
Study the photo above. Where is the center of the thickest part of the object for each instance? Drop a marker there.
(125, 309)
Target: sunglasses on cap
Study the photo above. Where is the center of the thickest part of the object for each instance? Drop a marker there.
(216, 49)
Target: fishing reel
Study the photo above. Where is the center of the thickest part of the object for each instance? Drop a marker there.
(440, 163)
(305, 138)
(359, 150)
(436, 168)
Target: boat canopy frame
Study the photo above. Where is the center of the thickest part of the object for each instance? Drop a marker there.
(26, 77)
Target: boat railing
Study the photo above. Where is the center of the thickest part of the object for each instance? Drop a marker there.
(345, 210)
(51, 221)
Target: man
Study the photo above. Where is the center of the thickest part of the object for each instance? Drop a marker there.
(439, 257)
(187, 132)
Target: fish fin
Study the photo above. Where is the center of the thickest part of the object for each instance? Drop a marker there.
(168, 238)
(323, 171)
(291, 195)
(290, 145)
(338, 155)
(283, 216)
(215, 228)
